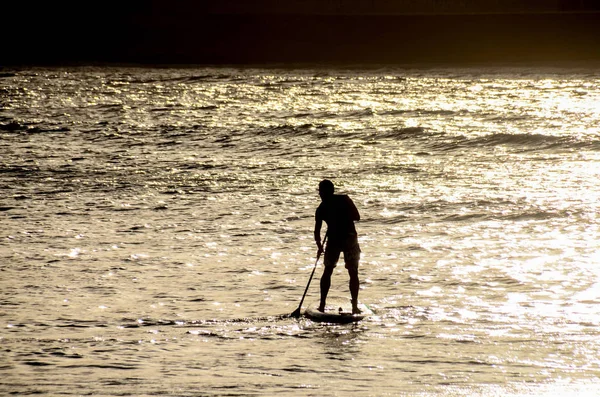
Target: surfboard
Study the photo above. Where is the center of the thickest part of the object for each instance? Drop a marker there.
(336, 316)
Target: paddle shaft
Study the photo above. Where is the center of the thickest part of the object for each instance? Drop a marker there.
(310, 279)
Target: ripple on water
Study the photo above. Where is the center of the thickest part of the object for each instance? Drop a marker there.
(157, 226)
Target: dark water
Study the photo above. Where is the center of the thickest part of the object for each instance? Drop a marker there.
(157, 224)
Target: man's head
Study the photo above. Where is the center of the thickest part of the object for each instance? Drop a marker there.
(326, 188)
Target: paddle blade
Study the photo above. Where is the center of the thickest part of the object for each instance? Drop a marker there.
(296, 313)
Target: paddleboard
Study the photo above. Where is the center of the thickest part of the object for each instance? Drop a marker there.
(334, 315)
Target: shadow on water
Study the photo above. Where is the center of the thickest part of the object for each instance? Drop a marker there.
(240, 324)
(376, 316)
(139, 323)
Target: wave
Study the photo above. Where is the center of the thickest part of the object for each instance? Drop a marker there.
(537, 140)
(423, 112)
(405, 133)
(12, 127)
(442, 141)
(200, 78)
(296, 130)
(473, 211)
(16, 127)
(429, 141)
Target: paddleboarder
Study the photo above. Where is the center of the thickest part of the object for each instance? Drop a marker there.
(339, 213)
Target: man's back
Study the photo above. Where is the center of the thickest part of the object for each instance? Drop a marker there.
(339, 212)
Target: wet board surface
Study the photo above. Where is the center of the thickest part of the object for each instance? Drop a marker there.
(334, 315)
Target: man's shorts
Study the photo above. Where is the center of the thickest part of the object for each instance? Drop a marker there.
(349, 247)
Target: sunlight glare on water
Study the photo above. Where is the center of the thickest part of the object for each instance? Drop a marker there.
(157, 230)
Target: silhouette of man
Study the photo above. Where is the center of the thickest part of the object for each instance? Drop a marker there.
(339, 212)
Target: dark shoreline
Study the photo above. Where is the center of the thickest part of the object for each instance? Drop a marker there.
(259, 39)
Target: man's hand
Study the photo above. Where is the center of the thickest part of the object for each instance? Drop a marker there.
(319, 249)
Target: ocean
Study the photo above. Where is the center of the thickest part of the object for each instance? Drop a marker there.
(156, 230)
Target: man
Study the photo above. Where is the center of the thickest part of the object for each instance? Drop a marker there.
(339, 212)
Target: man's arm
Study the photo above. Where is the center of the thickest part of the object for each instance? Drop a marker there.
(353, 210)
(318, 225)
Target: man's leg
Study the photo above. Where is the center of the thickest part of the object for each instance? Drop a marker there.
(354, 287)
(325, 284)
(352, 258)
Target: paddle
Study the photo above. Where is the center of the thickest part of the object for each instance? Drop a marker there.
(296, 312)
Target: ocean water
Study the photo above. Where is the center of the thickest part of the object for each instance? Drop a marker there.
(156, 229)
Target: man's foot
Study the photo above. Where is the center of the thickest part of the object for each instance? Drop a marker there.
(321, 309)
(355, 309)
